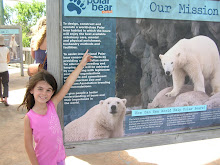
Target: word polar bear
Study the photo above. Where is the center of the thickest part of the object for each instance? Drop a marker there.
(198, 58)
(104, 120)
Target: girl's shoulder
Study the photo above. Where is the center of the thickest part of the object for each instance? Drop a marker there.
(51, 105)
(26, 120)
(26, 117)
(29, 112)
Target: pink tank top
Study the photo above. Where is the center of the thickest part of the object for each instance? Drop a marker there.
(48, 136)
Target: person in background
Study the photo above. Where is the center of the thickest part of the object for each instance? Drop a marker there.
(39, 42)
(41, 123)
(4, 75)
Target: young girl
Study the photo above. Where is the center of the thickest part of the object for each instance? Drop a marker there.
(41, 122)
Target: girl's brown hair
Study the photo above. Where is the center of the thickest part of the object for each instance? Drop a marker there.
(43, 75)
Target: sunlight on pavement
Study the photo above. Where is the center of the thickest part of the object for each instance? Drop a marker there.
(12, 68)
(191, 153)
(73, 160)
(16, 96)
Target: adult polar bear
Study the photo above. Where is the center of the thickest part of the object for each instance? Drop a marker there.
(197, 57)
(104, 120)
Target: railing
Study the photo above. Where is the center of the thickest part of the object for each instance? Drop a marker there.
(27, 59)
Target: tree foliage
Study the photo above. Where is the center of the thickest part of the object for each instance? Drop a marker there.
(25, 15)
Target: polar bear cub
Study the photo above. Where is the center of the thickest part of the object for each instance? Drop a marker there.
(104, 120)
(198, 58)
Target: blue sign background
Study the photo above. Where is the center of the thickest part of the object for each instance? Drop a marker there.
(9, 31)
(108, 45)
(160, 111)
(160, 123)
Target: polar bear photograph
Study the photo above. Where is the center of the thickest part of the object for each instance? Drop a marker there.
(104, 120)
(198, 58)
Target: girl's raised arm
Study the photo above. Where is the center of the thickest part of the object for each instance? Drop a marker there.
(71, 79)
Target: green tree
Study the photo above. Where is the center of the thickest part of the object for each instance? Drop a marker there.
(8, 12)
(25, 15)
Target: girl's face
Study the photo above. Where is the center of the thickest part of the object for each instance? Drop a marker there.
(42, 92)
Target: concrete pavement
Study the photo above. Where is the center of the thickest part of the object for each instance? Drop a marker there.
(12, 152)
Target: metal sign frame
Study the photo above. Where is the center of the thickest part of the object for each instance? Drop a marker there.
(54, 39)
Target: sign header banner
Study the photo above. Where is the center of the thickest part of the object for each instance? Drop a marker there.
(204, 10)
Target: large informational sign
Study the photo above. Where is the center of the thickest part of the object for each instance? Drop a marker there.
(12, 35)
(155, 67)
(13, 40)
